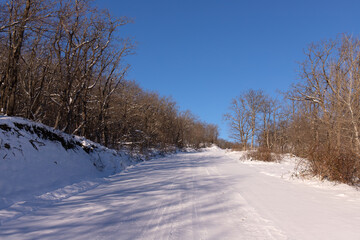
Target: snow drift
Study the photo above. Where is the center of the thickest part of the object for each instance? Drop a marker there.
(35, 159)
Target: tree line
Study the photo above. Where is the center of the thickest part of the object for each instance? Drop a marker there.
(62, 63)
(319, 117)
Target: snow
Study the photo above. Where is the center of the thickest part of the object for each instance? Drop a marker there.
(196, 195)
(31, 164)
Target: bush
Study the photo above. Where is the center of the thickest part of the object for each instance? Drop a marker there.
(264, 154)
(237, 147)
(340, 165)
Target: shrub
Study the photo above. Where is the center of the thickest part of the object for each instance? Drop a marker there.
(237, 147)
(264, 154)
(340, 165)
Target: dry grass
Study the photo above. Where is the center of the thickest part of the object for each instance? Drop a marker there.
(262, 154)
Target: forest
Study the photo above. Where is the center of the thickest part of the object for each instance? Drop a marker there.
(318, 118)
(63, 63)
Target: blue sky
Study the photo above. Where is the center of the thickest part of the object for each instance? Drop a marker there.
(204, 53)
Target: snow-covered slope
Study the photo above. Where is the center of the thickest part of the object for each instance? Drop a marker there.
(35, 159)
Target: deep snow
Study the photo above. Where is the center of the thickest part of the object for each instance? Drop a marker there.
(35, 159)
(204, 195)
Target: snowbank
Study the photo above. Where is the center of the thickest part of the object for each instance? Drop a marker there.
(35, 159)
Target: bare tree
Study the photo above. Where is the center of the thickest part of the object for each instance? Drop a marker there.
(254, 99)
(19, 19)
(239, 121)
(63, 64)
(331, 74)
(329, 93)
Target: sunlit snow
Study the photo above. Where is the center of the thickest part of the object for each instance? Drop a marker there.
(199, 195)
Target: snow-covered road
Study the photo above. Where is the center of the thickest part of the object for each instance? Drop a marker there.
(204, 195)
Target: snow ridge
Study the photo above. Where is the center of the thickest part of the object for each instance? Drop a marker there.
(36, 159)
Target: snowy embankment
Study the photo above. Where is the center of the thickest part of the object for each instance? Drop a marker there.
(36, 159)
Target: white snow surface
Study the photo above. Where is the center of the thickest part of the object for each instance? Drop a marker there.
(31, 164)
(198, 195)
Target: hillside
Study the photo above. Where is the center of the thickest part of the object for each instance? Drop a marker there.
(35, 159)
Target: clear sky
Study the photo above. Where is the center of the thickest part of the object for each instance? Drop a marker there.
(203, 53)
